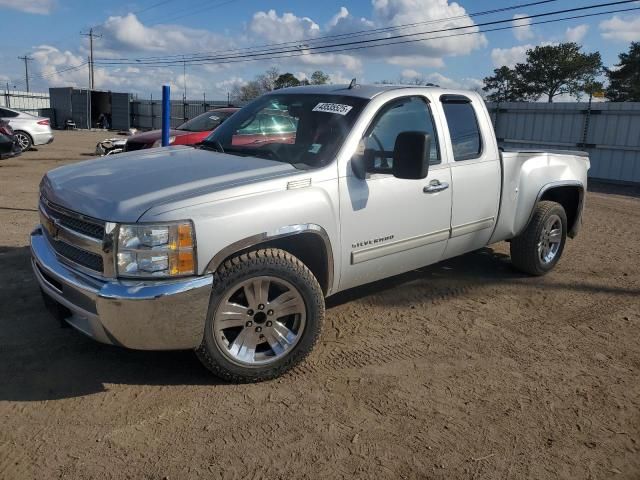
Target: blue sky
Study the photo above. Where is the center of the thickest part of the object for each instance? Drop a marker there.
(48, 31)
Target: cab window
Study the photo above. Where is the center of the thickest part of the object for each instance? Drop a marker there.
(409, 114)
(463, 128)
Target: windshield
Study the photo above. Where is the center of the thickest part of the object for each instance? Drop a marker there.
(206, 121)
(305, 130)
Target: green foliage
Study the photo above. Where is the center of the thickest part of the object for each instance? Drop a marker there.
(504, 86)
(319, 78)
(286, 80)
(272, 79)
(624, 81)
(556, 70)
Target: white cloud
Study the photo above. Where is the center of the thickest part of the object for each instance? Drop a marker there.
(409, 73)
(401, 12)
(126, 34)
(523, 29)
(509, 56)
(577, 33)
(467, 83)
(273, 28)
(343, 13)
(41, 7)
(620, 29)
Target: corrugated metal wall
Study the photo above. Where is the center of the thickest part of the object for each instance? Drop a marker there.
(610, 132)
(147, 114)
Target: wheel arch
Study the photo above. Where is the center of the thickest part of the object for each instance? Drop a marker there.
(20, 130)
(568, 194)
(308, 242)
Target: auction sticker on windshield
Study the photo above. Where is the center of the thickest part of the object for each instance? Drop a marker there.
(332, 108)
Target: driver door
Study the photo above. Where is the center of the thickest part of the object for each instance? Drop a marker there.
(391, 225)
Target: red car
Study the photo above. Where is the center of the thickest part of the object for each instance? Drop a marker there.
(190, 132)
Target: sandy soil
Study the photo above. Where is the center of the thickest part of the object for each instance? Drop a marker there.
(465, 369)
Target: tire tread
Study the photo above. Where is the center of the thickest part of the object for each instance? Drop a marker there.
(524, 246)
(265, 257)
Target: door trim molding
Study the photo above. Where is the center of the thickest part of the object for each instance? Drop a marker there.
(371, 253)
(471, 227)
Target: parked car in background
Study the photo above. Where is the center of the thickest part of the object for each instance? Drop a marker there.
(8, 143)
(29, 129)
(190, 132)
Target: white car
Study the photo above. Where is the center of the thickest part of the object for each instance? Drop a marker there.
(29, 129)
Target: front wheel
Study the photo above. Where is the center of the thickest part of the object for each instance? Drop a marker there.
(265, 316)
(539, 248)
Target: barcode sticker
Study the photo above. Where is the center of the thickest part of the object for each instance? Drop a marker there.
(332, 108)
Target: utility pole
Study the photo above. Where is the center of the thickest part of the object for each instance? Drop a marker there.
(184, 77)
(91, 35)
(26, 69)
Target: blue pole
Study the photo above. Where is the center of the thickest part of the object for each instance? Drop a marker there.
(166, 111)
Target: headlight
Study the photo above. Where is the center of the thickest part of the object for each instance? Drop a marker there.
(158, 143)
(156, 250)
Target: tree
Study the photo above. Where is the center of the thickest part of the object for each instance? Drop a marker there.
(246, 92)
(319, 78)
(286, 80)
(504, 86)
(624, 80)
(554, 70)
(268, 79)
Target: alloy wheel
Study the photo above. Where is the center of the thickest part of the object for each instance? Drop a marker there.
(259, 320)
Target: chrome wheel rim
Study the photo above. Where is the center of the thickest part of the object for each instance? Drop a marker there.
(23, 141)
(550, 239)
(259, 320)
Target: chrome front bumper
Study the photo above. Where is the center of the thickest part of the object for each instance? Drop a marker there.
(144, 315)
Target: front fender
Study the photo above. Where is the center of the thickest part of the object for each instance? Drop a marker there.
(236, 223)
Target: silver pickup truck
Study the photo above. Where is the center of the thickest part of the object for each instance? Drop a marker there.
(231, 247)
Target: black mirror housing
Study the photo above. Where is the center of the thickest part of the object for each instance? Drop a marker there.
(411, 155)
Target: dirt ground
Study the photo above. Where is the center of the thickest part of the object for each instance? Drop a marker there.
(465, 369)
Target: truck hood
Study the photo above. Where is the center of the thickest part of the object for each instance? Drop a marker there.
(122, 187)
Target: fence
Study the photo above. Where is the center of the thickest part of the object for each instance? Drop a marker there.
(29, 102)
(147, 114)
(609, 132)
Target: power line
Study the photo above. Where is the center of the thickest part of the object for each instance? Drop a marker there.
(361, 47)
(26, 69)
(387, 39)
(359, 32)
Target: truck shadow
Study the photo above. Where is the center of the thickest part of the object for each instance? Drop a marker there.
(39, 360)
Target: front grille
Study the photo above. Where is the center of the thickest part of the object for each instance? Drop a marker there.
(73, 236)
(132, 146)
(77, 255)
(91, 228)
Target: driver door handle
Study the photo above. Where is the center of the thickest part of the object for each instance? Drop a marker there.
(435, 186)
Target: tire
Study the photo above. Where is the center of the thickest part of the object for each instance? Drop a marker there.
(538, 248)
(250, 339)
(24, 140)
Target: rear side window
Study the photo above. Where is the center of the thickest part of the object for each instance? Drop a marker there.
(7, 113)
(463, 129)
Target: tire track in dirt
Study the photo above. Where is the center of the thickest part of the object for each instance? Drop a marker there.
(410, 349)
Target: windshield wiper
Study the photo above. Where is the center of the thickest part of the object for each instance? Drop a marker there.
(214, 145)
(255, 152)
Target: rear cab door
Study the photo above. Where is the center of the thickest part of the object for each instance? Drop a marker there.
(475, 171)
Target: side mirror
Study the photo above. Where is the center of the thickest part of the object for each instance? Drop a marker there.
(411, 155)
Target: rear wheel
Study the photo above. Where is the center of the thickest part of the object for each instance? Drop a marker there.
(539, 248)
(24, 140)
(265, 316)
